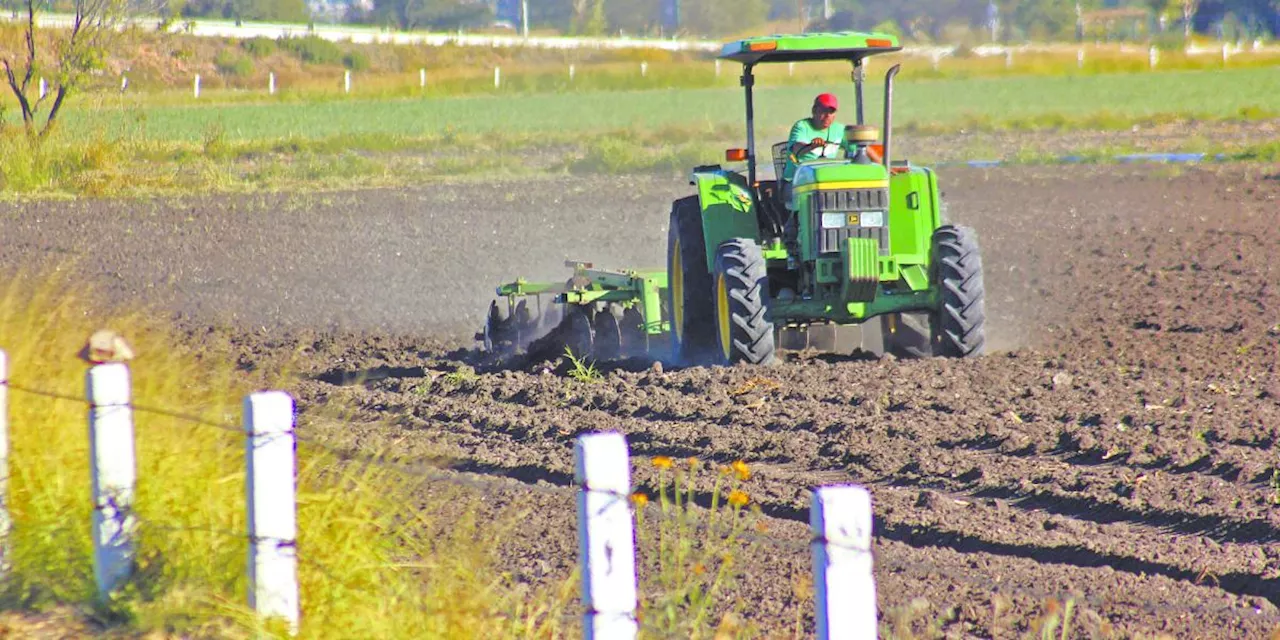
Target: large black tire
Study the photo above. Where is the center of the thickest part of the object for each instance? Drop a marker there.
(959, 327)
(689, 295)
(743, 327)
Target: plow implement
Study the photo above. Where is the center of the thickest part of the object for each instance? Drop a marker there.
(598, 313)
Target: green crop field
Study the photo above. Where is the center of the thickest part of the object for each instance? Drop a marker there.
(1203, 94)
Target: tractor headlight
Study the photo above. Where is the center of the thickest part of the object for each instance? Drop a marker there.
(833, 221)
(872, 218)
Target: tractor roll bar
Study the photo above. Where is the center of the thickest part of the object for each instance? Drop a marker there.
(888, 112)
(858, 73)
(749, 81)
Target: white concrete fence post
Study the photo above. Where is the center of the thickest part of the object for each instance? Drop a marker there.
(497, 77)
(572, 73)
(422, 78)
(717, 67)
(114, 473)
(5, 522)
(606, 540)
(644, 69)
(271, 83)
(195, 86)
(272, 506)
(44, 86)
(1080, 59)
(1153, 57)
(124, 82)
(1008, 58)
(845, 589)
(346, 81)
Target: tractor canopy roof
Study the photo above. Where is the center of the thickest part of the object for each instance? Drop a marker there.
(843, 45)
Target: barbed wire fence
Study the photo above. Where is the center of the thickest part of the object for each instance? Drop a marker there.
(840, 517)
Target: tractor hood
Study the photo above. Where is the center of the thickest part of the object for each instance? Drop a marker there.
(839, 174)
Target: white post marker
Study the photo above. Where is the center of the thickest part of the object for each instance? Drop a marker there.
(717, 67)
(271, 83)
(497, 77)
(422, 78)
(572, 72)
(111, 455)
(644, 69)
(606, 540)
(845, 589)
(1080, 59)
(1008, 58)
(1225, 53)
(272, 506)
(791, 68)
(1153, 57)
(124, 82)
(44, 86)
(346, 81)
(195, 86)
(5, 522)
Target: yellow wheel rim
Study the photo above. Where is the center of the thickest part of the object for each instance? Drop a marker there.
(722, 315)
(676, 284)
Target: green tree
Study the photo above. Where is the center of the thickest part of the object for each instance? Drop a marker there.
(633, 16)
(436, 14)
(722, 17)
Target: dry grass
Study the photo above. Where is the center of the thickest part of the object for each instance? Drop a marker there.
(369, 567)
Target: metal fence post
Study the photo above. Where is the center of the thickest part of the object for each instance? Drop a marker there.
(5, 522)
(111, 453)
(845, 589)
(606, 539)
(272, 506)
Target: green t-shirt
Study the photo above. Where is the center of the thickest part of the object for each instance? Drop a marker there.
(804, 131)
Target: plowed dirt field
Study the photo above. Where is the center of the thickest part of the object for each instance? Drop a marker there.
(1118, 447)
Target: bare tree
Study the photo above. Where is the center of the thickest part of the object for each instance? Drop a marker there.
(1189, 8)
(72, 53)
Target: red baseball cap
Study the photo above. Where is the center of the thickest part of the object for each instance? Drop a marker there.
(826, 100)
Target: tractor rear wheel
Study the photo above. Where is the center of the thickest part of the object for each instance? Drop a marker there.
(689, 285)
(959, 327)
(743, 327)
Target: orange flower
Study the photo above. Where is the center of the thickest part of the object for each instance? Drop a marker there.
(693, 463)
(662, 462)
(739, 467)
(739, 498)
(639, 499)
(699, 569)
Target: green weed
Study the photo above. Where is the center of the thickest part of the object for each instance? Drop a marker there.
(582, 370)
(695, 550)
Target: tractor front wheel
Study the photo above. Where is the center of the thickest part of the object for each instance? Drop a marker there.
(743, 327)
(689, 285)
(959, 328)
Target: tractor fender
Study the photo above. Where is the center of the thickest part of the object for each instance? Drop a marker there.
(728, 206)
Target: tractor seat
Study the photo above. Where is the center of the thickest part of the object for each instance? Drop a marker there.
(779, 160)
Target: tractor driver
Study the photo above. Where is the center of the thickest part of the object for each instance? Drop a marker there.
(809, 138)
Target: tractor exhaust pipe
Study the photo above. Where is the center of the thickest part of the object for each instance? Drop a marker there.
(888, 113)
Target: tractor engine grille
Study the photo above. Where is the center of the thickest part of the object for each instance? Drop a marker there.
(849, 201)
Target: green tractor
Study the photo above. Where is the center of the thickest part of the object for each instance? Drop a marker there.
(855, 256)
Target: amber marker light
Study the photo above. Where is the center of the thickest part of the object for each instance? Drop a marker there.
(735, 155)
